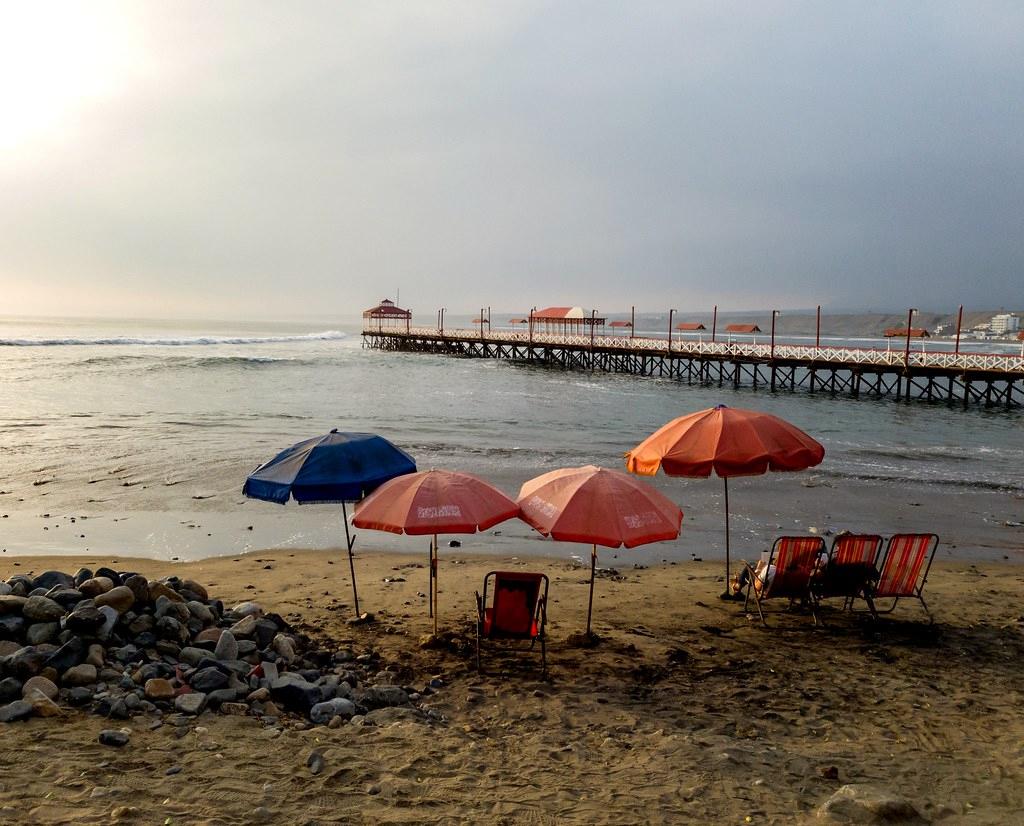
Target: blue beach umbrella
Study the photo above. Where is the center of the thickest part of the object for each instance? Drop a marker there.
(338, 467)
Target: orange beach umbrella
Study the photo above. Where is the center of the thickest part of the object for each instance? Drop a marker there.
(600, 507)
(729, 442)
(432, 502)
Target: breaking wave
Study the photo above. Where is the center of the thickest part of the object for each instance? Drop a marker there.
(192, 341)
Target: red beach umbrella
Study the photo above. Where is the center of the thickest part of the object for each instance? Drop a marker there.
(600, 507)
(728, 441)
(433, 502)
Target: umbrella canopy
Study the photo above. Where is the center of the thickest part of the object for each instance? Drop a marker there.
(600, 507)
(338, 467)
(729, 442)
(434, 502)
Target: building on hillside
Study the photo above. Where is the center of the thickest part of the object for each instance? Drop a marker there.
(1004, 323)
(566, 321)
(386, 314)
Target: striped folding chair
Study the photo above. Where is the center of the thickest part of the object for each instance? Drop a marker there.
(851, 568)
(791, 564)
(908, 558)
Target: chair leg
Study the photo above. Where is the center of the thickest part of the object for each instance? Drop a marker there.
(478, 649)
(543, 657)
(760, 613)
(931, 619)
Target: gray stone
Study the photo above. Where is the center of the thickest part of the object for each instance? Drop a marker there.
(284, 648)
(82, 575)
(113, 737)
(42, 609)
(221, 695)
(294, 693)
(68, 597)
(12, 604)
(193, 656)
(244, 627)
(84, 619)
(384, 696)
(80, 696)
(42, 632)
(247, 609)
(861, 803)
(11, 626)
(140, 587)
(40, 684)
(83, 674)
(132, 701)
(18, 710)
(70, 654)
(110, 618)
(113, 707)
(120, 598)
(269, 670)
(95, 655)
(201, 612)
(5, 589)
(322, 713)
(227, 647)
(10, 689)
(28, 661)
(208, 679)
(110, 574)
(192, 703)
(48, 579)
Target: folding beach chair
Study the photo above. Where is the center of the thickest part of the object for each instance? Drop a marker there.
(851, 568)
(518, 612)
(908, 558)
(794, 559)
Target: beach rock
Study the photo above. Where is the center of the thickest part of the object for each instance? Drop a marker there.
(234, 709)
(43, 706)
(227, 647)
(5, 589)
(158, 688)
(80, 696)
(201, 612)
(8, 647)
(245, 627)
(208, 679)
(110, 618)
(160, 589)
(169, 628)
(121, 598)
(70, 654)
(42, 632)
(48, 579)
(192, 590)
(208, 636)
(68, 597)
(113, 737)
(247, 609)
(295, 693)
(113, 707)
(862, 803)
(82, 575)
(192, 703)
(42, 609)
(95, 655)
(96, 586)
(284, 648)
(83, 674)
(28, 661)
(193, 656)
(10, 689)
(84, 619)
(109, 573)
(42, 685)
(323, 713)
(384, 696)
(139, 586)
(12, 604)
(316, 762)
(12, 627)
(18, 710)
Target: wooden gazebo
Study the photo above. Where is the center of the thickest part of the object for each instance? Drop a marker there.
(565, 321)
(386, 314)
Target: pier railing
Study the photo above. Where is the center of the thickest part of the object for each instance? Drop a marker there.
(807, 354)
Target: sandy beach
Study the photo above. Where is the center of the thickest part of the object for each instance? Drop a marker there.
(686, 712)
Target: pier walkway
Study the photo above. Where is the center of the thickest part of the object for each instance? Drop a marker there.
(990, 380)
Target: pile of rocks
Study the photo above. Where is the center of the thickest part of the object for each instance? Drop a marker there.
(118, 644)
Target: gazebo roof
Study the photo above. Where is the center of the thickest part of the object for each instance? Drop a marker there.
(742, 328)
(690, 325)
(386, 309)
(901, 332)
(621, 324)
(558, 313)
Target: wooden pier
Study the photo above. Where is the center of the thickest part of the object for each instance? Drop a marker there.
(962, 379)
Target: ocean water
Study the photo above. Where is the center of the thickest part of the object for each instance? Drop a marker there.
(135, 437)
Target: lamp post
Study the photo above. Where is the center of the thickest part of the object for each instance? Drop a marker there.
(906, 353)
(441, 325)
(959, 321)
(593, 315)
(532, 311)
(817, 330)
(775, 314)
(714, 323)
(632, 321)
(670, 314)
(481, 323)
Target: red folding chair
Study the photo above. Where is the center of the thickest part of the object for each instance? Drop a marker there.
(794, 559)
(908, 559)
(851, 568)
(518, 610)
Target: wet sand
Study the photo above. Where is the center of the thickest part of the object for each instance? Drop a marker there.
(687, 711)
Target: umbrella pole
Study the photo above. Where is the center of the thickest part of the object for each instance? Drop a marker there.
(435, 580)
(590, 603)
(430, 580)
(349, 542)
(727, 594)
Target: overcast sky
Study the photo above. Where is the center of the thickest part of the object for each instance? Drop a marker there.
(274, 159)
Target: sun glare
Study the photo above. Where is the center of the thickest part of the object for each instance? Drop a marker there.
(57, 59)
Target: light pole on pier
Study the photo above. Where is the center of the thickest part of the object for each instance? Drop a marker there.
(532, 311)
(906, 353)
(714, 323)
(441, 325)
(959, 321)
(670, 314)
(817, 330)
(775, 314)
(593, 315)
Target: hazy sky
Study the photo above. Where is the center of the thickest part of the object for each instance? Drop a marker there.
(253, 158)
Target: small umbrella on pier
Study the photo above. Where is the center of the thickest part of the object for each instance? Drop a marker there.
(338, 467)
(728, 441)
(597, 506)
(433, 502)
